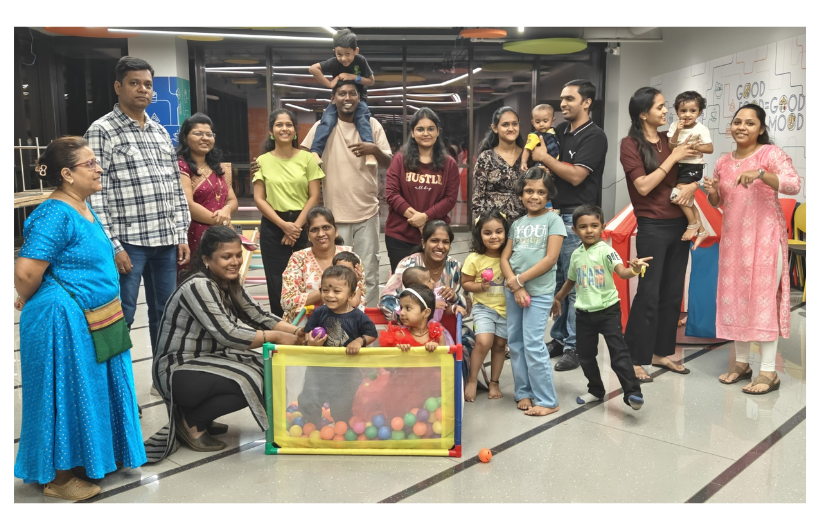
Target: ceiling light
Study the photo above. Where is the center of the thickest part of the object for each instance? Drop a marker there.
(25, 86)
(212, 97)
(209, 34)
(302, 87)
(331, 30)
(520, 29)
(445, 83)
(412, 107)
(297, 107)
(283, 99)
(228, 71)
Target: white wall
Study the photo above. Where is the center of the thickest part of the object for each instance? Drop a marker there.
(638, 62)
(155, 50)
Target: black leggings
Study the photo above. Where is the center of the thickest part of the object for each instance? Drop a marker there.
(397, 250)
(275, 256)
(203, 397)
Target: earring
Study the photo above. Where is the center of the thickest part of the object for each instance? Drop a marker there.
(207, 266)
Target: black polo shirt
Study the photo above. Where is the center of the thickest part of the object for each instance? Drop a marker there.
(586, 147)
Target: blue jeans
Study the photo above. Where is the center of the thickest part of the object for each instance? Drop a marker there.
(532, 370)
(563, 329)
(361, 117)
(158, 267)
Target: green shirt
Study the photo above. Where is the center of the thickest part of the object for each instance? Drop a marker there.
(530, 236)
(286, 180)
(591, 269)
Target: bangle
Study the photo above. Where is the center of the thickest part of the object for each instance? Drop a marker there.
(296, 331)
(264, 338)
(518, 281)
(664, 171)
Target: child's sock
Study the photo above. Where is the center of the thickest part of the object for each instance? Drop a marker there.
(586, 398)
(636, 402)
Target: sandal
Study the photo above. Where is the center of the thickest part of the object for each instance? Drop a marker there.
(73, 490)
(682, 372)
(743, 373)
(700, 238)
(763, 380)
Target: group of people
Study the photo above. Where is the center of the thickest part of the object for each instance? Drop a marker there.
(128, 206)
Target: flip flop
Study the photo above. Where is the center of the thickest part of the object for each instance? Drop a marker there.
(684, 371)
(742, 374)
(763, 380)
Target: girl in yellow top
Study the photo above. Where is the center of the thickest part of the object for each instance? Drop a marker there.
(482, 276)
(285, 187)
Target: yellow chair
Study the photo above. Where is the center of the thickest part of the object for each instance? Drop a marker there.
(797, 246)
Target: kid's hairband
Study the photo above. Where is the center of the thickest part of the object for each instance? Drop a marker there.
(500, 213)
(417, 295)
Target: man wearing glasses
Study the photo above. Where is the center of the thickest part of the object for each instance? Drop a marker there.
(351, 188)
(142, 206)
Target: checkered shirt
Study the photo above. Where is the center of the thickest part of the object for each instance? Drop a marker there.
(141, 202)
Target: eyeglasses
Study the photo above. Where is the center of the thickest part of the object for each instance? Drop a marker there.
(200, 134)
(432, 129)
(90, 164)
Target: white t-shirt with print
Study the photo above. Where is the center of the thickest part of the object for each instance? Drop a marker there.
(699, 130)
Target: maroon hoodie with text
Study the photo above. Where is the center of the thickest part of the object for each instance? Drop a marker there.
(429, 190)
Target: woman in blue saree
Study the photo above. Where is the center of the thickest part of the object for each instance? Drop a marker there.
(76, 412)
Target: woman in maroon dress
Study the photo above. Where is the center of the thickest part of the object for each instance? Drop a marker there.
(205, 180)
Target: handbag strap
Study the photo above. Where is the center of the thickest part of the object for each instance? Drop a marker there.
(48, 271)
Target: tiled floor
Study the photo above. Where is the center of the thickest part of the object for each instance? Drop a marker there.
(692, 434)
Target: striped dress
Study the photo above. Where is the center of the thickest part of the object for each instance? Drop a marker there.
(204, 329)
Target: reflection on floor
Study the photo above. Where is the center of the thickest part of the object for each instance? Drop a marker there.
(694, 439)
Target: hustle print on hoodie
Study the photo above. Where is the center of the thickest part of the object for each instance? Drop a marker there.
(423, 181)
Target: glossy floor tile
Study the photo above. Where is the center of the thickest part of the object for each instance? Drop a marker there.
(691, 429)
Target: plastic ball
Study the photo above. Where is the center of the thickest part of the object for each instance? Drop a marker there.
(299, 421)
(296, 414)
(315, 435)
(431, 404)
(371, 432)
(358, 427)
(361, 438)
(414, 411)
(485, 455)
(289, 415)
(438, 413)
(413, 436)
(326, 405)
(397, 424)
(308, 428)
(437, 427)
(379, 421)
(423, 415)
(420, 429)
(368, 424)
(290, 408)
(296, 431)
(327, 432)
(340, 427)
(438, 400)
(397, 435)
(324, 422)
(353, 420)
(409, 419)
(384, 432)
(338, 438)
(350, 436)
(318, 332)
(487, 275)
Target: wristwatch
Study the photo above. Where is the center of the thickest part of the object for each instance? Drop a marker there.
(359, 78)
(760, 173)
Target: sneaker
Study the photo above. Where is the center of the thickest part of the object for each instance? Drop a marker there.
(370, 161)
(568, 361)
(154, 391)
(555, 348)
(636, 402)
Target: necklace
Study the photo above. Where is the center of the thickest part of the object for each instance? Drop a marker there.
(218, 190)
(418, 335)
(659, 146)
(738, 163)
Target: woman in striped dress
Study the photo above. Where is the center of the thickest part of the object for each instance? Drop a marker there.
(203, 368)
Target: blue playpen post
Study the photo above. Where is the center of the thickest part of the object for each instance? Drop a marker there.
(458, 391)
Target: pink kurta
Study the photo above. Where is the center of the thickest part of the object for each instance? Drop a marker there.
(751, 304)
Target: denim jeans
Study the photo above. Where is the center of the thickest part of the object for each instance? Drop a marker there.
(361, 117)
(563, 329)
(158, 267)
(532, 370)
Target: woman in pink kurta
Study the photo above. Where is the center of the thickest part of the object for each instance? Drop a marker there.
(302, 279)
(753, 291)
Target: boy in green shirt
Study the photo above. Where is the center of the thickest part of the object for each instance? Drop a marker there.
(597, 305)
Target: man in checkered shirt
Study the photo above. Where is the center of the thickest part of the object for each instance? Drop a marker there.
(142, 206)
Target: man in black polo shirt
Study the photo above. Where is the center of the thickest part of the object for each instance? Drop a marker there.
(579, 181)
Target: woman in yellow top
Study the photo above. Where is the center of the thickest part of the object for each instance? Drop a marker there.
(285, 187)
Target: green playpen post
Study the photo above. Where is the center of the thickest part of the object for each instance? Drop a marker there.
(267, 353)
